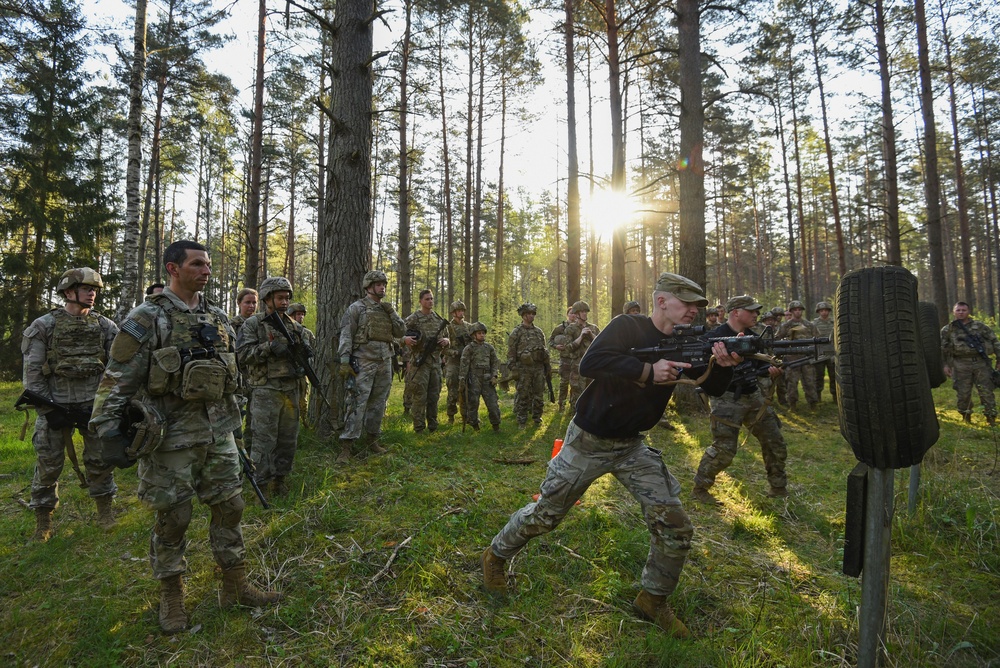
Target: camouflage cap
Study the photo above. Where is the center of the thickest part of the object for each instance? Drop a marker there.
(683, 288)
(823, 305)
(795, 304)
(580, 307)
(743, 301)
(296, 308)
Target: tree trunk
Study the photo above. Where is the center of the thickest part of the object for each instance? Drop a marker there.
(467, 212)
(692, 127)
(254, 233)
(573, 169)
(618, 153)
(477, 209)
(798, 190)
(894, 254)
(446, 160)
(403, 257)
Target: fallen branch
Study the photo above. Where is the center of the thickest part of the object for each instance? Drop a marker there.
(522, 461)
(392, 558)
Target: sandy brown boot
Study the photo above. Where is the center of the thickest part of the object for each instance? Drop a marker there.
(494, 572)
(105, 515)
(345, 451)
(702, 495)
(43, 525)
(374, 446)
(173, 617)
(237, 591)
(657, 610)
(279, 486)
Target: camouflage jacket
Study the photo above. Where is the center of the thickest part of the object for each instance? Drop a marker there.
(480, 361)
(955, 341)
(578, 350)
(460, 335)
(429, 327)
(147, 333)
(796, 329)
(526, 347)
(66, 373)
(253, 346)
(825, 328)
(355, 326)
(560, 337)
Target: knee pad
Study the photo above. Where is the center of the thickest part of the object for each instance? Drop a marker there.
(173, 522)
(229, 512)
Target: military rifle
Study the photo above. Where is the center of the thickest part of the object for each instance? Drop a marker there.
(299, 353)
(688, 343)
(248, 467)
(548, 381)
(60, 418)
(975, 342)
(753, 371)
(430, 347)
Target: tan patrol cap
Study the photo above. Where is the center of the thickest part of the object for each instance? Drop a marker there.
(683, 288)
(743, 301)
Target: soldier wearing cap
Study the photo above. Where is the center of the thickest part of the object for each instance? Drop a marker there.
(460, 335)
(276, 380)
(479, 369)
(797, 327)
(65, 352)
(562, 334)
(578, 348)
(528, 359)
(297, 312)
(175, 353)
(367, 332)
(631, 308)
(742, 405)
(827, 361)
(961, 342)
(626, 399)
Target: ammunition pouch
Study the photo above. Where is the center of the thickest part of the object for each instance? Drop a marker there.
(164, 371)
(205, 380)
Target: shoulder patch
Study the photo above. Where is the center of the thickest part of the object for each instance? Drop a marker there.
(136, 330)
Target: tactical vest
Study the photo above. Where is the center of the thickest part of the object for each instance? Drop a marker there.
(529, 346)
(193, 361)
(374, 324)
(278, 367)
(461, 336)
(76, 348)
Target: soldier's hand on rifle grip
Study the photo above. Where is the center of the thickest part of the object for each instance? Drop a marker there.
(774, 371)
(667, 371)
(279, 348)
(444, 343)
(410, 341)
(723, 357)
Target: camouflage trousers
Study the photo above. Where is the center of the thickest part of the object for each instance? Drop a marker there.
(169, 480)
(485, 389)
(529, 399)
(50, 450)
(829, 368)
(426, 382)
(408, 387)
(751, 411)
(807, 375)
(583, 459)
(452, 381)
(565, 372)
(366, 402)
(275, 414)
(577, 383)
(969, 371)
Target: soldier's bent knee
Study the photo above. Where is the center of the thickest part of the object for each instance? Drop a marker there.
(670, 524)
(229, 512)
(172, 522)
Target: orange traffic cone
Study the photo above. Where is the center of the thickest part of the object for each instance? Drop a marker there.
(556, 447)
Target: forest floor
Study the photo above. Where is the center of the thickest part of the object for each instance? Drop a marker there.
(379, 560)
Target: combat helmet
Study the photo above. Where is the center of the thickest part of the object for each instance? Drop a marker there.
(373, 276)
(580, 307)
(630, 305)
(80, 276)
(778, 312)
(794, 304)
(274, 284)
(457, 305)
(478, 327)
(297, 307)
(527, 307)
(823, 305)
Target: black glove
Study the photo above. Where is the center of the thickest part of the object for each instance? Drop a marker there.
(279, 348)
(113, 445)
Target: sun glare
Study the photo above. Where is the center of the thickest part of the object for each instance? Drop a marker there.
(608, 210)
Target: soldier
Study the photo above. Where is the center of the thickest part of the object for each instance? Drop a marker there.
(798, 328)
(779, 382)
(175, 354)
(479, 369)
(767, 319)
(460, 334)
(65, 352)
(367, 331)
(626, 399)
(274, 376)
(827, 363)
(966, 345)
(711, 319)
(578, 347)
(562, 334)
(528, 358)
(426, 361)
(632, 308)
(742, 405)
(246, 303)
(297, 312)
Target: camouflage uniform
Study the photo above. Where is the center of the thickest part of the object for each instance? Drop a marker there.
(798, 328)
(527, 354)
(155, 358)
(968, 367)
(275, 380)
(64, 356)
(578, 383)
(367, 331)
(479, 369)
(560, 336)
(460, 335)
(425, 378)
(828, 365)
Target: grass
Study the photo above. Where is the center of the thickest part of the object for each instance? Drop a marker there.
(380, 561)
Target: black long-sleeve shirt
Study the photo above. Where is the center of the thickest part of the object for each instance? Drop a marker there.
(615, 405)
(745, 373)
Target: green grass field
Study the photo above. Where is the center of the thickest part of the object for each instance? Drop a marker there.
(380, 561)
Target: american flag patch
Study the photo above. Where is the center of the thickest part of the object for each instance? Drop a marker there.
(134, 329)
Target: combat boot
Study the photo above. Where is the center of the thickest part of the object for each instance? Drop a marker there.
(657, 610)
(777, 492)
(991, 420)
(704, 496)
(967, 417)
(43, 525)
(173, 617)
(237, 591)
(105, 515)
(496, 427)
(279, 487)
(373, 445)
(345, 451)
(494, 572)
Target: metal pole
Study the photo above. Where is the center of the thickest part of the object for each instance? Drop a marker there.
(875, 579)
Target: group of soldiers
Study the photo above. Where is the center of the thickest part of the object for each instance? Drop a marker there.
(182, 390)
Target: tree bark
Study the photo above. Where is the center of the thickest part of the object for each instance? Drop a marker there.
(403, 257)
(573, 168)
(254, 232)
(618, 153)
(692, 129)
(894, 254)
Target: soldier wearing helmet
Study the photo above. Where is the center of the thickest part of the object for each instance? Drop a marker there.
(460, 335)
(528, 359)
(798, 327)
(175, 353)
(367, 332)
(479, 369)
(297, 312)
(425, 377)
(276, 381)
(578, 348)
(65, 352)
(632, 308)
(562, 334)
(826, 364)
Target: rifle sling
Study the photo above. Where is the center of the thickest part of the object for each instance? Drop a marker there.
(67, 436)
(981, 349)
